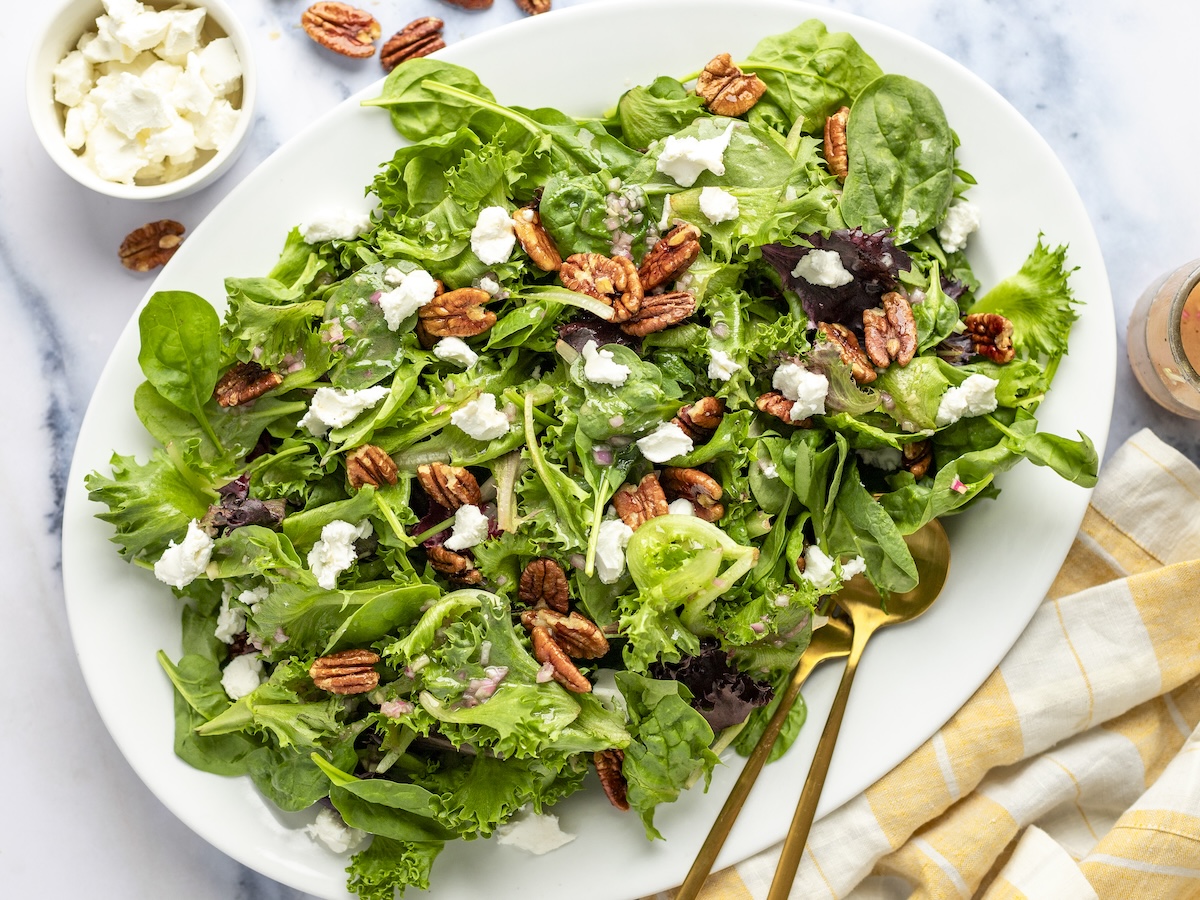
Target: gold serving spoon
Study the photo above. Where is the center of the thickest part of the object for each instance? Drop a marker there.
(931, 551)
(828, 642)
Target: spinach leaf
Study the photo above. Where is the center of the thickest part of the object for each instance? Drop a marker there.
(901, 159)
(417, 113)
(648, 113)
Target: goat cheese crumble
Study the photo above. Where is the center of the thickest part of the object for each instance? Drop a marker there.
(336, 225)
(974, 397)
(600, 368)
(182, 563)
(822, 268)
(806, 389)
(718, 205)
(335, 407)
(962, 219)
(414, 290)
(470, 528)
(665, 442)
(611, 540)
(242, 675)
(481, 419)
(334, 552)
(332, 831)
(535, 833)
(683, 159)
(493, 237)
(721, 365)
(455, 350)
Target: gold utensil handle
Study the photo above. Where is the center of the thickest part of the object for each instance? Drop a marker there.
(707, 856)
(797, 836)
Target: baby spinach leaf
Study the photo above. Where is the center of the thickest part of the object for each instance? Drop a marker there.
(418, 113)
(901, 159)
(648, 113)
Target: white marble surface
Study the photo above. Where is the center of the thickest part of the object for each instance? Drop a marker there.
(1109, 84)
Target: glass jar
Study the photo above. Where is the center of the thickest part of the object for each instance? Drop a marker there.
(1164, 340)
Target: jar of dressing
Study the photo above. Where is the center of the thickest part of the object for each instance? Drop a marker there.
(1164, 340)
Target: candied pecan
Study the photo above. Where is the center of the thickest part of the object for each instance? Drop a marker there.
(534, 7)
(342, 28)
(471, 4)
(535, 240)
(544, 583)
(837, 155)
(457, 313)
(700, 420)
(614, 281)
(346, 672)
(775, 404)
(991, 336)
(691, 484)
(547, 651)
(660, 311)
(636, 505)
(916, 458)
(243, 382)
(608, 767)
(370, 465)
(726, 89)
(577, 635)
(847, 344)
(449, 486)
(151, 245)
(890, 333)
(420, 37)
(458, 568)
(670, 257)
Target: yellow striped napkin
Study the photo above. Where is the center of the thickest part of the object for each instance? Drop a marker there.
(1074, 771)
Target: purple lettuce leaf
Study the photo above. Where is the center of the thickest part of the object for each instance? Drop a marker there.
(720, 693)
(237, 508)
(590, 328)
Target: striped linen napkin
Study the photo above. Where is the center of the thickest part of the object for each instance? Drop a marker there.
(1074, 771)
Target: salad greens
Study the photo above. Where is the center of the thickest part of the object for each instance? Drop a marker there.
(257, 511)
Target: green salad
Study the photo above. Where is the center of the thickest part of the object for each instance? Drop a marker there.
(550, 465)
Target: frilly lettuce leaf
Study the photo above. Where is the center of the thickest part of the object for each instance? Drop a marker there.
(388, 866)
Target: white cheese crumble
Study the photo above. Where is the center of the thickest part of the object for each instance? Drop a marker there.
(335, 407)
(493, 238)
(610, 549)
(535, 833)
(721, 365)
(818, 569)
(231, 621)
(665, 442)
(335, 225)
(481, 419)
(974, 397)
(242, 675)
(718, 205)
(768, 468)
(962, 218)
(415, 290)
(146, 76)
(333, 832)
(181, 564)
(683, 159)
(852, 567)
(681, 507)
(822, 268)
(664, 221)
(470, 528)
(334, 552)
(599, 367)
(455, 350)
(886, 458)
(806, 389)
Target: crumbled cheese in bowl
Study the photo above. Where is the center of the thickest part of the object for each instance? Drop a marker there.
(149, 95)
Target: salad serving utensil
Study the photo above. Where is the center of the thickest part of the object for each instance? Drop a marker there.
(831, 640)
(931, 551)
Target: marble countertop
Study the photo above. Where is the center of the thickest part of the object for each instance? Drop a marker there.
(1106, 83)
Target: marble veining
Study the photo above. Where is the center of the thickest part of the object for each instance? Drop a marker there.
(1108, 84)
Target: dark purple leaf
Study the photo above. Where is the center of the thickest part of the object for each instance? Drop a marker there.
(952, 287)
(957, 349)
(238, 489)
(873, 260)
(720, 693)
(232, 513)
(434, 516)
(591, 328)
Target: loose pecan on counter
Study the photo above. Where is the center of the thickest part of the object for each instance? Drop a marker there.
(670, 256)
(991, 336)
(243, 382)
(420, 37)
(342, 28)
(727, 91)
(151, 245)
(613, 281)
(534, 7)
(346, 672)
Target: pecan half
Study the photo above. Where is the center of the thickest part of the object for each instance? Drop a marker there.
(457, 313)
(535, 240)
(458, 568)
(890, 333)
(847, 344)
(670, 257)
(471, 4)
(608, 767)
(636, 505)
(243, 382)
(660, 311)
(342, 28)
(370, 465)
(151, 245)
(534, 7)
(346, 672)
(703, 490)
(991, 335)
(449, 486)
(420, 37)
(775, 404)
(837, 155)
(614, 281)
(544, 583)
(546, 651)
(916, 458)
(726, 89)
(577, 635)
(701, 419)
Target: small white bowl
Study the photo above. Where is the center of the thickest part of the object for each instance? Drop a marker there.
(60, 36)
